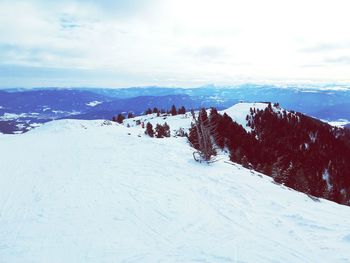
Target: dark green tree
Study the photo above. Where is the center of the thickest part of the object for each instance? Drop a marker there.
(119, 118)
(148, 111)
(182, 110)
(173, 110)
(149, 129)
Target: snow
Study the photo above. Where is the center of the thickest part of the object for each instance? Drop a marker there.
(93, 103)
(34, 125)
(12, 116)
(325, 176)
(339, 123)
(46, 108)
(20, 126)
(313, 137)
(97, 191)
(175, 122)
(239, 112)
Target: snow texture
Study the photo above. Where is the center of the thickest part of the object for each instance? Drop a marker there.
(96, 191)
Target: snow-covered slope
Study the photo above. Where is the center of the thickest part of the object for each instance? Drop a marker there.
(93, 191)
(239, 112)
(175, 122)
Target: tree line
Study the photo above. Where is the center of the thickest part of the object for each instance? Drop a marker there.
(173, 111)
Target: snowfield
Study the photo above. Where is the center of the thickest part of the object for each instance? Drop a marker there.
(95, 191)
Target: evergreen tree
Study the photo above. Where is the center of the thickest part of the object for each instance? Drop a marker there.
(166, 128)
(203, 116)
(193, 136)
(215, 120)
(162, 131)
(173, 110)
(203, 138)
(119, 118)
(148, 111)
(159, 131)
(182, 110)
(149, 129)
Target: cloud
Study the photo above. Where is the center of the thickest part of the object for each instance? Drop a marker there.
(212, 54)
(175, 42)
(68, 22)
(323, 47)
(326, 47)
(339, 60)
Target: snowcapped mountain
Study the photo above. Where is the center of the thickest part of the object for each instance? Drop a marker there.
(97, 191)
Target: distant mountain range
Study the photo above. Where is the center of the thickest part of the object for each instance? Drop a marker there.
(334, 112)
(22, 109)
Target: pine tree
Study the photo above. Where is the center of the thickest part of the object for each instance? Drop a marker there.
(148, 111)
(203, 137)
(182, 110)
(193, 136)
(166, 128)
(173, 110)
(215, 120)
(159, 131)
(119, 118)
(162, 131)
(149, 129)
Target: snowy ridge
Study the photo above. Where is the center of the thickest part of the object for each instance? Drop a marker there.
(96, 191)
(239, 112)
(73, 125)
(175, 122)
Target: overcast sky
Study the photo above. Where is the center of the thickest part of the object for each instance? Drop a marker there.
(173, 42)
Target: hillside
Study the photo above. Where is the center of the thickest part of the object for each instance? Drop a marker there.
(96, 191)
(298, 151)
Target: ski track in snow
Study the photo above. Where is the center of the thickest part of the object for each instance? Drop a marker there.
(81, 191)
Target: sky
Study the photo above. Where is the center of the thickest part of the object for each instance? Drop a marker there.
(184, 43)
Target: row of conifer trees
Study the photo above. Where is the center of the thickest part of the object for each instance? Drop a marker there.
(173, 111)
